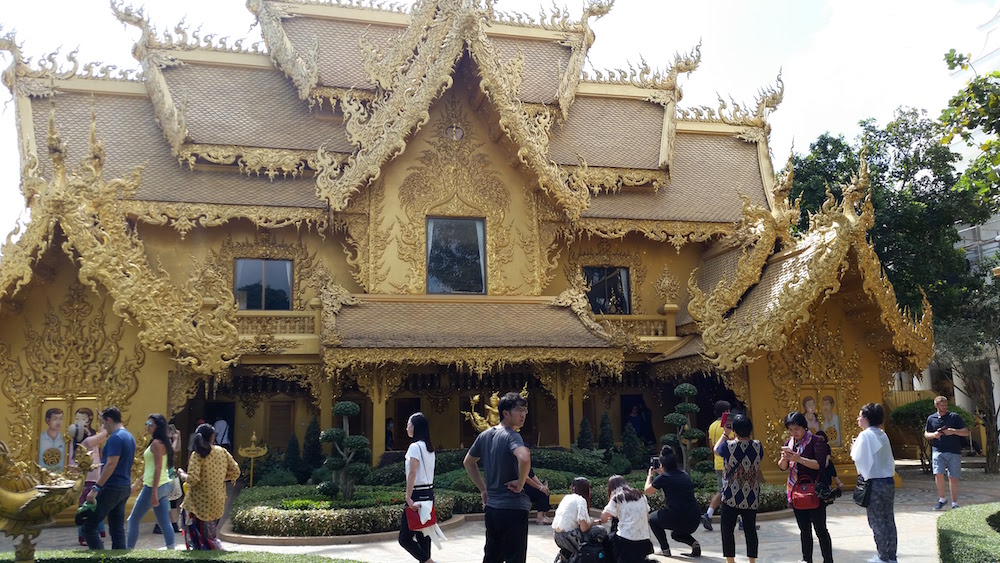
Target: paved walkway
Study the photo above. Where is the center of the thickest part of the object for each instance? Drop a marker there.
(779, 539)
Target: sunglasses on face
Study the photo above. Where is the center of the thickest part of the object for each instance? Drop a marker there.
(149, 423)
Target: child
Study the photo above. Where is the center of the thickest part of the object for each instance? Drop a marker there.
(831, 471)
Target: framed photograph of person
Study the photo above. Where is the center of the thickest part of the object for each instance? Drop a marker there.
(820, 407)
(51, 436)
(82, 424)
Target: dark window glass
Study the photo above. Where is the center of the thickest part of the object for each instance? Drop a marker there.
(263, 284)
(456, 255)
(609, 291)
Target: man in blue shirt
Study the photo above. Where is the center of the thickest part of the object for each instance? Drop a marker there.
(113, 485)
(943, 431)
(507, 463)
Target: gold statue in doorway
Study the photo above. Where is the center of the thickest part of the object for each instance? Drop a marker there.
(492, 417)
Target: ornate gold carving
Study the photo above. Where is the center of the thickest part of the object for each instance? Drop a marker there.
(732, 340)
(642, 76)
(605, 255)
(299, 66)
(169, 116)
(815, 359)
(477, 360)
(767, 101)
(380, 382)
(276, 324)
(306, 375)
(99, 239)
(576, 300)
(77, 352)
(454, 179)
(255, 160)
(612, 180)
(380, 129)
(681, 368)
(333, 297)
(256, 344)
(266, 247)
(182, 386)
(579, 44)
(183, 217)
(677, 233)
(667, 286)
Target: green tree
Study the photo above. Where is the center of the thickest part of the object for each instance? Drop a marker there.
(911, 419)
(312, 450)
(633, 448)
(585, 437)
(916, 210)
(682, 419)
(963, 348)
(973, 114)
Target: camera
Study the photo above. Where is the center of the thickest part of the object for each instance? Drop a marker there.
(654, 462)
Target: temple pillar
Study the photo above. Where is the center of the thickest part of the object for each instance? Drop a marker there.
(995, 376)
(557, 381)
(326, 405)
(379, 385)
(922, 383)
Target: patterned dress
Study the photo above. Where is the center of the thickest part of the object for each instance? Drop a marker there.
(206, 495)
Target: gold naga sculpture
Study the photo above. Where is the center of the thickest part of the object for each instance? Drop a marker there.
(492, 417)
(27, 505)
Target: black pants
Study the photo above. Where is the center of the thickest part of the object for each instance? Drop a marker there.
(817, 518)
(539, 500)
(111, 505)
(729, 516)
(416, 544)
(681, 524)
(506, 535)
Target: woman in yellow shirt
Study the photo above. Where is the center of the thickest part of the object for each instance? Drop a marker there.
(209, 468)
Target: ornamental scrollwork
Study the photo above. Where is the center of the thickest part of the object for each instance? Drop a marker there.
(667, 286)
(173, 318)
(184, 217)
(256, 160)
(265, 246)
(77, 352)
(677, 233)
(642, 76)
(734, 339)
(576, 300)
(333, 297)
(579, 44)
(454, 179)
(613, 180)
(379, 383)
(767, 101)
(306, 375)
(300, 66)
(603, 254)
(182, 386)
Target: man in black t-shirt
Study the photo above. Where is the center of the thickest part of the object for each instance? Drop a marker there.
(944, 430)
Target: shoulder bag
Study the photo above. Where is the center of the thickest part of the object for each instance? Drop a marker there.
(176, 489)
(863, 492)
(804, 495)
(413, 516)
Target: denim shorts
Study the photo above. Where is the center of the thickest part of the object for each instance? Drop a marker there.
(947, 462)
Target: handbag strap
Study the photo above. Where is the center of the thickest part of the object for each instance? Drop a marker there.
(423, 466)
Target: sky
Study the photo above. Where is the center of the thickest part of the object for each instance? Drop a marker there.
(841, 61)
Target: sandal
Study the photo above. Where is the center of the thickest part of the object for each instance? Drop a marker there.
(545, 521)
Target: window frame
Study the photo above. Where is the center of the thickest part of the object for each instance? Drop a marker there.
(480, 223)
(290, 268)
(627, 289)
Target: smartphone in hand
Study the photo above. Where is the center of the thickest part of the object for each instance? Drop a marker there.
(725, 418)
(654, 462)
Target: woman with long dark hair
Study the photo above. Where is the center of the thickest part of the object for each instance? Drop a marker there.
(572, 526)
(803, 457)
(630, 543)
(741, 457)
(159, 460)
(209, 467)
(419, 465)
(872, 456)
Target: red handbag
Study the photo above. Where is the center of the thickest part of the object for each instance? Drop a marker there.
(804, 495)
(413, 519)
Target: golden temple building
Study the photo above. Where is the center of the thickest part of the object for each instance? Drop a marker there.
(410, 207)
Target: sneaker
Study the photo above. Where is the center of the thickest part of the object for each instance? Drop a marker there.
(939, 505)
(954, 505)
(695, 550)
(877, 559)
(177, 528)
(665, 552)
(706, 521)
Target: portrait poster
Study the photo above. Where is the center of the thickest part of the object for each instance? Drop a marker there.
(821, 409)
(51, 445)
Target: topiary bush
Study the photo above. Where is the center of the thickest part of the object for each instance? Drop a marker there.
(607, 440)
(633, 449)
(312, 450)
(277, 478)
(351, 458)
(292, 461)
(585, 437)
(270, 521)
(683, 420)
(970, 534)
(619, 464)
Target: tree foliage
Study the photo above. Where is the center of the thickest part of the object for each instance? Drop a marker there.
(916, 209)
(911, 419)
(312, 451)
(351, 457)
(585, 437)
(607, 440)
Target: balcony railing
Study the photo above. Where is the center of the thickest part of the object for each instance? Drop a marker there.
(276, 322)
(639, 325)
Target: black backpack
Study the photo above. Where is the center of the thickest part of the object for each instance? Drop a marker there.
(591, 553)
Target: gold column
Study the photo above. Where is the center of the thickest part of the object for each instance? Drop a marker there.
(378, 430)
(379, 384)
(555, 379)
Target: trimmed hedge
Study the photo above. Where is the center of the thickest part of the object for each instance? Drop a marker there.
(268, 521)
(77, 556)
(970, 534)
